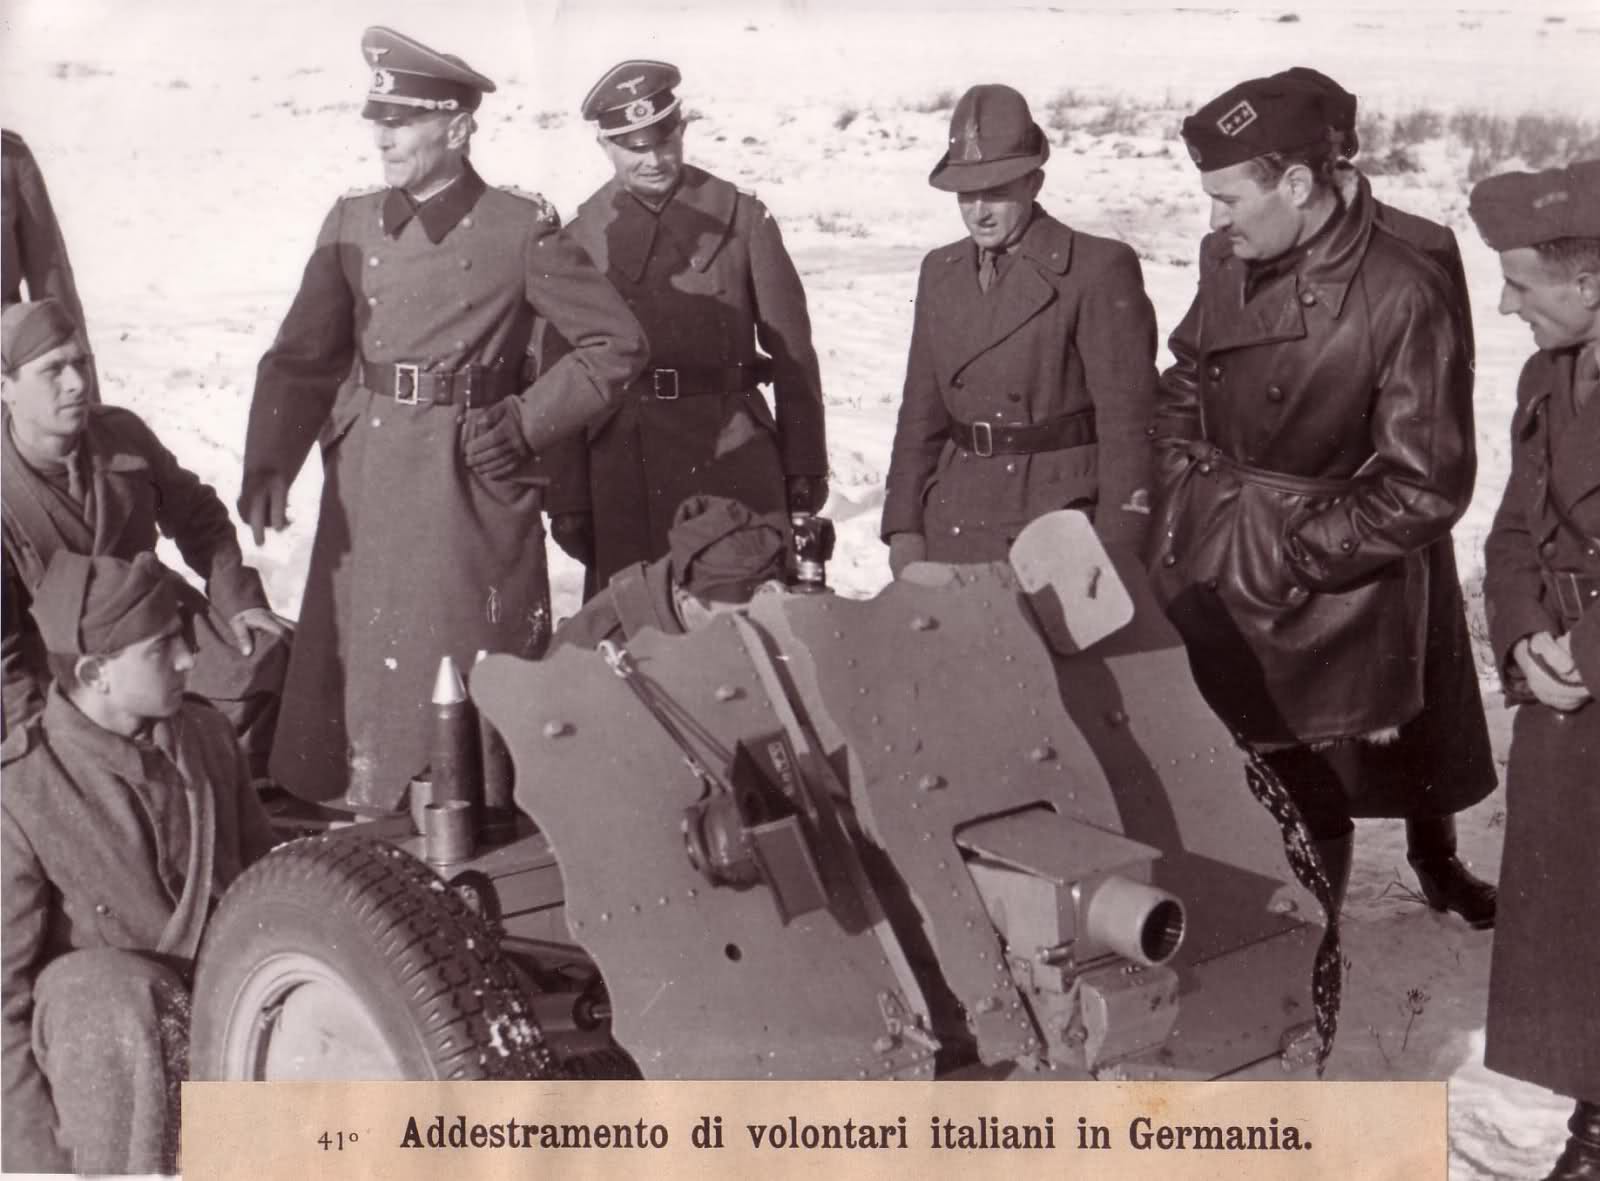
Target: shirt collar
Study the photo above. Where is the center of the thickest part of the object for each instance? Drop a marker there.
(440, 213)
(67, 725)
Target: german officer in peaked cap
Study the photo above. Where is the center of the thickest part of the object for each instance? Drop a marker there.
(1315, 440)
(1032, 365)
(1541, 588)
(402, 356)
(704, 267)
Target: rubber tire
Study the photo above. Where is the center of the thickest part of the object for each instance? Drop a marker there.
(427, 969)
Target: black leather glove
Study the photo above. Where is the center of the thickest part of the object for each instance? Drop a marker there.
(494, 445)
(263, 502)
(574, 533)
(807, 494)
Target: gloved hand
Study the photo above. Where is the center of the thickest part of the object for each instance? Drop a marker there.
(263, 498)
(257, 619)
(1550, 672)
(493, 444)
(905, 548)
(807, 494)
(574, 533)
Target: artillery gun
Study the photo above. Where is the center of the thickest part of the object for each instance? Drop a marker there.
(979, 825)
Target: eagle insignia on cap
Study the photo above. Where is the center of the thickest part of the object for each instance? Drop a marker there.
(971, 145)
(1237, 119)
(1557, 197)
(382, 82)
(374, 52)
(641, 108)
(631, 85)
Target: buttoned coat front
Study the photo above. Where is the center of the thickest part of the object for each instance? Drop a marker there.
(1067, 328)
(1316, 438)
(1543, 1022)
(715, 289)
(416, 556)
(85, 863)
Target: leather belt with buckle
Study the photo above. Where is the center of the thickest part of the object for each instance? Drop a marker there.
(1574, 592)
(688, 381)
(985, 439)
(410, 384)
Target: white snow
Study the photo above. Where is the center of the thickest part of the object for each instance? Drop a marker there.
(192, 148)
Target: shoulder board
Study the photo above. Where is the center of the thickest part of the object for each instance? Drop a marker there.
(546, 211)
(365, 191)
(744, 192)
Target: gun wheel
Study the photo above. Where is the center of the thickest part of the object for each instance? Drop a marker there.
(339, 957)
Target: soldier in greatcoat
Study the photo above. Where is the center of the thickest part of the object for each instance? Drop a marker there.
(94, 479)
(1032, 366)
(1542, 591)
(402, 356)
(1315, 440)
(704, 267)
(127, 811)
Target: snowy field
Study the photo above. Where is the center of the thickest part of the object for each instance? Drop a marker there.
(193, 147)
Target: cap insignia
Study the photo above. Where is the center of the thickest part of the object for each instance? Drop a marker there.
(641, 109)
(374, 52)
(971, 146)
(1558, 197)
(632, 85)
(1237, 119)
(382, 82)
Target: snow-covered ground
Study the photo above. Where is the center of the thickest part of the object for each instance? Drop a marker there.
(192, 148)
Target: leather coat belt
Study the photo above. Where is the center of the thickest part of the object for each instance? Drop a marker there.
(984, 439)
(1208, 457)
(688, 381)
(412, 385)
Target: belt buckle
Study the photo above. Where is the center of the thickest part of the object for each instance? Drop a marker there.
(982, 440)
(407, 384)
(655, 384)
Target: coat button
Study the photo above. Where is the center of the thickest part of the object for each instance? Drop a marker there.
(1169, 560)
(1548, 549)
(467, 221)
(1149, 432)
(1274, 393)
(1011, 467)
(101, 908)
(1214, 373)
(466, 264)
(1308, 298)
(373, 261)
(1211, 584)
(1205, 468)
(955, 530)
(372, 301)
(960, 383)
(1347, 545)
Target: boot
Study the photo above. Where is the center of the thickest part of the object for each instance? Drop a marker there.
(1580, 1160)
(1337, 853)
(1446, 883)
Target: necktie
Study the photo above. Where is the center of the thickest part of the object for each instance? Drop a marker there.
(986, 269)
(1586, 378)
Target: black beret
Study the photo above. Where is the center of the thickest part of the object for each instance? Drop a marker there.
(1339, 103)
(1253, 118)
(1518, 209)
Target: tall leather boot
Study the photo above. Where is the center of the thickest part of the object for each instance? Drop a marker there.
(1580, 1159)
(1446, 883)
(1337, 854)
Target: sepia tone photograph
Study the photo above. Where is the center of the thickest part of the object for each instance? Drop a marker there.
(799, 540)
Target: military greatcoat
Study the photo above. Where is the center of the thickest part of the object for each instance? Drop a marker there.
(1067, 328)
(1316, 436)
(723, 308)
(1543, 575)
(101, 834)
(416, 556)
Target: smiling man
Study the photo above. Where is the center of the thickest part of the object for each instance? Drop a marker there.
(94, 479)
(1541, 589)
(127, 811)
(1032, 364)
(402, 357)
(704, 266)
(1315, 438)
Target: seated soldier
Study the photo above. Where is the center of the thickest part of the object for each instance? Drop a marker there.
(720, 556)
(94, 480)
(127, 809)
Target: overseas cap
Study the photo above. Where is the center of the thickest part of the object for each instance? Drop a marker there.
(1256, 117)
(408, 77)
(96, 606)
(721, 550)
(633, 103)
(993, 140)
(1518, 209)
(30, 330)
